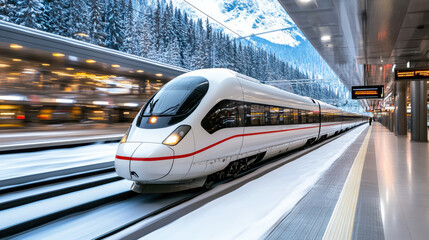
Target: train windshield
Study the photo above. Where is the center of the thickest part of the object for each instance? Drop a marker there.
(178, 97)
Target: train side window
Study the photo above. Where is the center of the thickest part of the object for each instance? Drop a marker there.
(257, 115)
(317, 116)
(324, 117)
(303, 116)
(248, 116)
(310, 117)
(287, 116)
(225, 114)
(281, 116)
(294, 116)
(274, 116)
(267, 115)
(242, 110)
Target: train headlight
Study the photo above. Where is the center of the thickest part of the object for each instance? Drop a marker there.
(124, 138)
(177, 135)
(153, 120)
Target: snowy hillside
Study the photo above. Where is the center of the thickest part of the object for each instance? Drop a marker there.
(249, 17)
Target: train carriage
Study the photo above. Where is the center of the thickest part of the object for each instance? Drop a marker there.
(212, 123)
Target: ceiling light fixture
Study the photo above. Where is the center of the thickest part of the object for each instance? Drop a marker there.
(408, 64)
(58, 54)
(325, 38)
(15, 46)
(82, 34)
(100, 102)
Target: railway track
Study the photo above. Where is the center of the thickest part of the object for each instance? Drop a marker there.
(36, 208)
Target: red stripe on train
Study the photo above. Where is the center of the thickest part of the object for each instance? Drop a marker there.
(214, 144)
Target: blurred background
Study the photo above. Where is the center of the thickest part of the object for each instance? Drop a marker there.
(39, 87)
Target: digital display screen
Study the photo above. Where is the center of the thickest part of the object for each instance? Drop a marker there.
(407, 74)
(367, 92)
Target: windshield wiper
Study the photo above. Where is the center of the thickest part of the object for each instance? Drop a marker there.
(169, 109)
(152, 105)
(162, 113)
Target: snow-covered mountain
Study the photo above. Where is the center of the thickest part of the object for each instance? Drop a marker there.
(248, 17)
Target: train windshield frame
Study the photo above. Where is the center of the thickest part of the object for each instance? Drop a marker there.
(174, 102)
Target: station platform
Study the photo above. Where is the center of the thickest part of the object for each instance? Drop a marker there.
(56, 135)
(367, 184)
(376, 190)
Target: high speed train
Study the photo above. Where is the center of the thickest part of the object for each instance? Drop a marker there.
(210, 124)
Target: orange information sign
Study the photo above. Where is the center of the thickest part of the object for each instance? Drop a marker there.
(411, 74)
(367, 92)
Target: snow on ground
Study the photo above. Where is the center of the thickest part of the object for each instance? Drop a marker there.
(251, 211)
(37, 134)
(24, 164)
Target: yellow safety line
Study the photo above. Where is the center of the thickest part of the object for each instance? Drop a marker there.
(340, 225)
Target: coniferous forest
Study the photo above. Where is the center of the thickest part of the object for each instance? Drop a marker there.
(157, 30)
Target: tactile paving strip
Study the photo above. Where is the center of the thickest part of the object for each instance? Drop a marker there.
(368, 222)
(310, 217)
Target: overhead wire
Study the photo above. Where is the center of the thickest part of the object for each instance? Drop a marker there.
(212, 18)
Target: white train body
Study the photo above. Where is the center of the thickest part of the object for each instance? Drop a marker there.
(252, 120)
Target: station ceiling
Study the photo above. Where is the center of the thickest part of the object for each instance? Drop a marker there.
(363, 40)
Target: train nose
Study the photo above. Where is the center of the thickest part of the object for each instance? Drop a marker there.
(151, 161)
(143, 161)
(123, 157)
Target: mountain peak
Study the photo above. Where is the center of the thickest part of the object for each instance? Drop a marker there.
(249, 17)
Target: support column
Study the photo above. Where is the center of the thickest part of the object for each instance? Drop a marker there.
(419, 129)
(391, 120)
(401, 108)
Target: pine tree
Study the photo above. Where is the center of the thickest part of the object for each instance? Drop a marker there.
(81, 20)
(8, 10)
(180, 32)
(173, 51)
(29, 13)
(144, 36)
(97, 34)
(65, 18)
(131, 44)
(114, 28)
